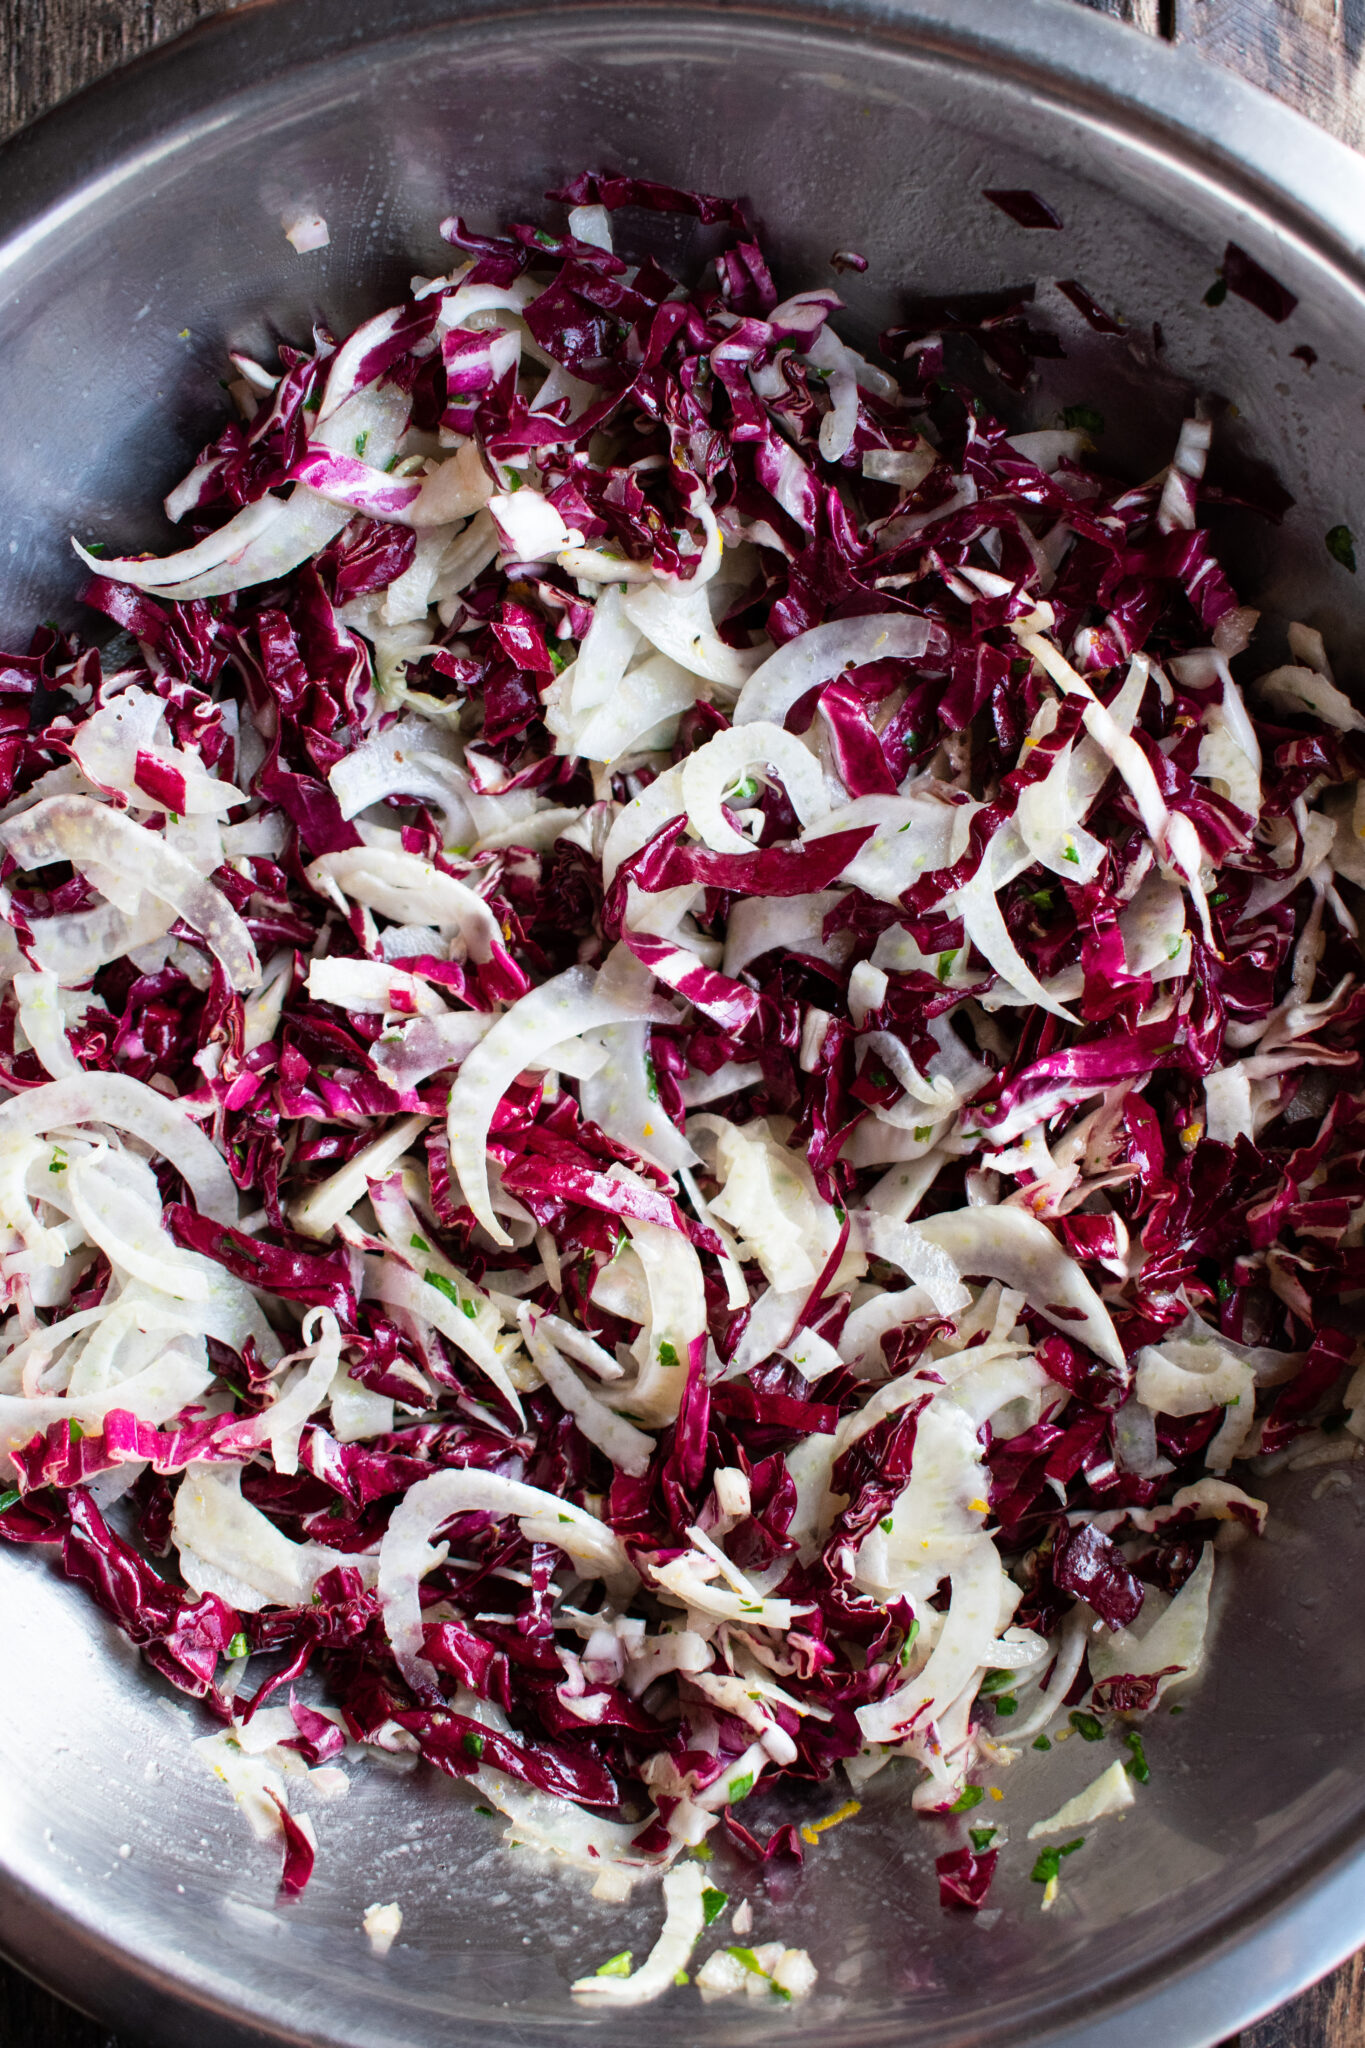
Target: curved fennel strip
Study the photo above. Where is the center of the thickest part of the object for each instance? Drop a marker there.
(407, 1552)
(128, 1105)
(564, 1007)
(78, 829)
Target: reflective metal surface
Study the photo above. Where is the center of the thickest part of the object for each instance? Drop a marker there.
(151, 206)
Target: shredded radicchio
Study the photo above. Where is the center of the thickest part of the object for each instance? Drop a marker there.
(680, 1061)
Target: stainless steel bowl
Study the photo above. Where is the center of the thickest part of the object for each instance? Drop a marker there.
(140, 233)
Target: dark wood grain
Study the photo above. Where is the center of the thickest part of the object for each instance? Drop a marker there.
(1308, 52)
(50, 47)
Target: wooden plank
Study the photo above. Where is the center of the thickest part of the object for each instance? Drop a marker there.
(1148, 15)
(32, 2018)
(51, 47)
(1330, 2015)
(1309, 52)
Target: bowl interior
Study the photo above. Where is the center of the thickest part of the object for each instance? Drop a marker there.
(138, 252)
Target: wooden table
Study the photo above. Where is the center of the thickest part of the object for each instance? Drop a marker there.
(1310, 52)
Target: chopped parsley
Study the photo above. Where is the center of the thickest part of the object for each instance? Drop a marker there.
(713, 1903)
(1086, 1725)
(615, 1966)
(1085, 419)
(967, 1798)
(750, 1961)
(1050, 1860)
(1137, 1766)
(445, 1287)
(1341, 546)
(472, 1744)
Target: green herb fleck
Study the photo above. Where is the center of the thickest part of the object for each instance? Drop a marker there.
(668, 1354)
(1177, 1710)
(1070, 853)
(1341, 546)
(419, 1244)
(362, 442)
(76, 1431)
(8, 1499)
(981, 1838)
(486, 1810)
(445, 1287)
(996, 1681)
(1216, 292)
(749, 1960)
(713, 1903)
(945, 962)
(1220, 897)
(1086, 1725)
(1084, 419)
(238, 1647)
(1137, 1767)
(558, 661)
(1006, 1704)
(740, 1788)
(923, 1133)
(1041, 1742)
(681, 1977)
(514, 483)
(615, 1966)
(472, 1745)
(1041, 899)
(1050, 1860)
(887, 1524)
(703, 1852)
(651, 1079)
(59, 1160)
(967, 1798)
